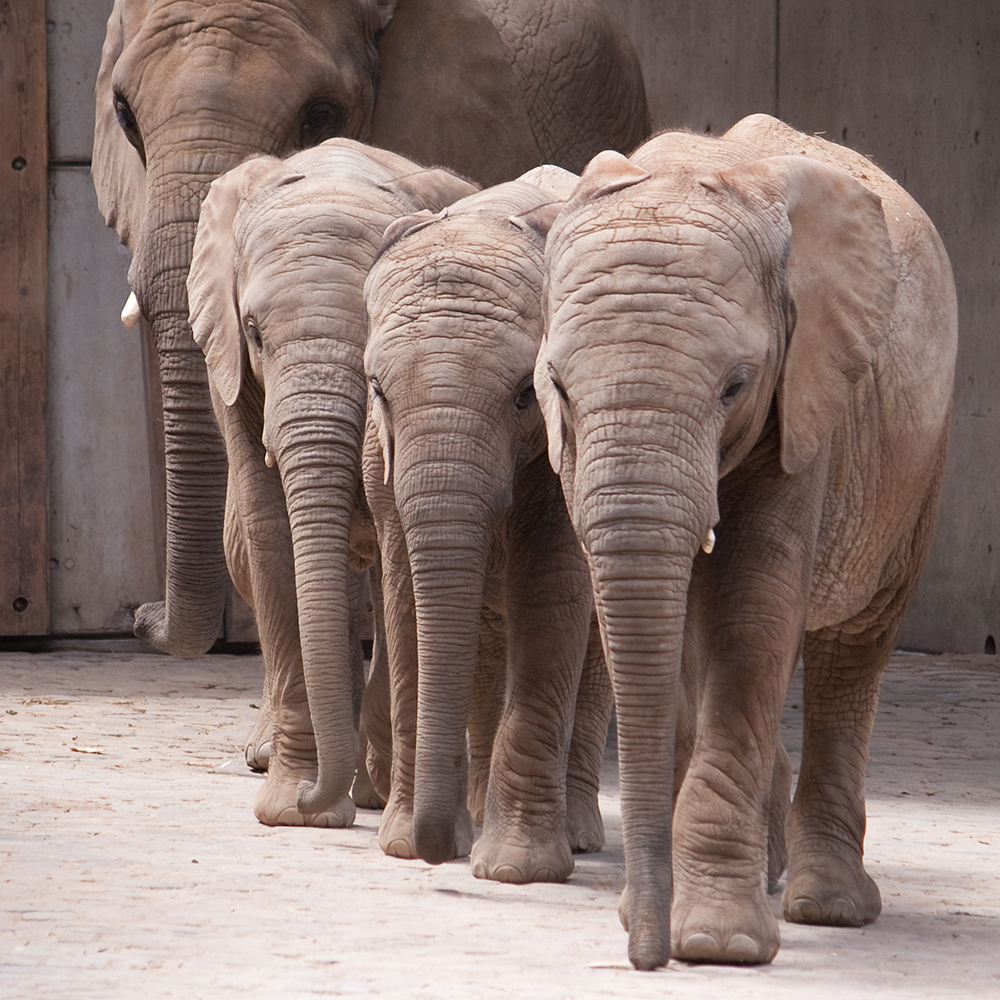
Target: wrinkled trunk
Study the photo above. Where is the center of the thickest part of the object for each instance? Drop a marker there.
(642, 524)
(316, 437)
(188, 622)
(448, 530)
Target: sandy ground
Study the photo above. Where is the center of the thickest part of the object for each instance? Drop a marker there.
(131, 864)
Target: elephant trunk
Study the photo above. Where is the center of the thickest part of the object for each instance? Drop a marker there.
(642, 526)
(448, 532)
(315, 436)
(188, 622)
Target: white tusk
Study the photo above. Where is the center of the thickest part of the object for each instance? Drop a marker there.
(709, 543)
(131, 313)
(269, 459)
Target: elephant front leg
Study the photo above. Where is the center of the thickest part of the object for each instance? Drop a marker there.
(524, 836)
(293, 746)
(594, 703)
(746, 611)
(264, 572)
(257, 745)
(486, 710)
(827, 882)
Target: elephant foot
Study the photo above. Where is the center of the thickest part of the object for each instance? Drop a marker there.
(257, 749)
(648, 929)
(363, 791)
(835, 891)
(541, 857)
(584, 826)
(395, 831)
(727, 931)
(275, 804)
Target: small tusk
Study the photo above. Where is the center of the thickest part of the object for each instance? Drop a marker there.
(131, 313)
(268, 459)
(709, 543)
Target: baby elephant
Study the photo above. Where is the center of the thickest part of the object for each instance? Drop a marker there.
(275, 291)
(746, 382)
(483, 577)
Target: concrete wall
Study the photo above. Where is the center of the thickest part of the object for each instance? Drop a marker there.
(920, 94)
(103, 559)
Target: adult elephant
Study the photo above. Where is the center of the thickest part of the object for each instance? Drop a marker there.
(187, 89)
(752, 338)
(276, 293)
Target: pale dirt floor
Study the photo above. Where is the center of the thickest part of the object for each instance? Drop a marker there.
(131, 864)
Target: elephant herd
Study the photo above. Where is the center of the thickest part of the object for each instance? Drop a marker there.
(591, 429)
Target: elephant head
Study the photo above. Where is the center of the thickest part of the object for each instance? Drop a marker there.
(454, 325)
(699, 297)
(187, 90)
(275, 291)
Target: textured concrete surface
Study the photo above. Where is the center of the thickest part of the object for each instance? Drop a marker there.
(131, 864)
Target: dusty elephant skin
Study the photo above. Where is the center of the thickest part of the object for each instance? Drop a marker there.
(484, 583)
(275, 290)
(187, 90)
(750, 344)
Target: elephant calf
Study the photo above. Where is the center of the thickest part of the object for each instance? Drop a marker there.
(482, 575)
(275, 291)
(746, 382)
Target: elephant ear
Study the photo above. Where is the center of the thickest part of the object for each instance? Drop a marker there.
(551, 407)
(841, 280)
(606, 173)
(433, 189)
(212, 299)
(403, 226)
(557, 182)
(421, 112)
(117, 169)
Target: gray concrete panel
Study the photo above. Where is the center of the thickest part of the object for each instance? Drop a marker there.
(75, 33)
(103, 561)
(706, 63)
(921, 96)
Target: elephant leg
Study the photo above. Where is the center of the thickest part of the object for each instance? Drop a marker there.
(257, 746)
(779, 798)
(270, 570)
(594, 703)
(827, 882)
(487, 708)
(395, 830)
(362, 791)
(746, 612)
(843, 668)
(376, 720)
(548, 622)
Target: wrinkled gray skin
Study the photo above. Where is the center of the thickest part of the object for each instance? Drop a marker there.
(742, 336)
(483, 577)
(275, 289)
(187, 89)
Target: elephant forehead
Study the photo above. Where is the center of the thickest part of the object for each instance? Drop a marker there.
(472, 278)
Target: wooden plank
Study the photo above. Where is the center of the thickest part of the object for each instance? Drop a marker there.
(24, 548)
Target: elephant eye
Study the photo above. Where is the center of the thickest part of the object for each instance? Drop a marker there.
(732, 391)
(126, 119)
(525, 394)
(376, 388)
(320, 120)
(253, 334)
(562, 392)
(739, 379)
